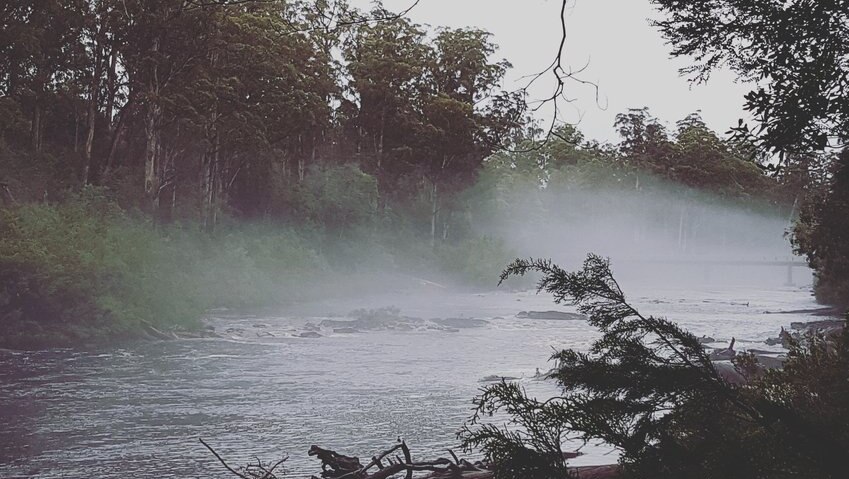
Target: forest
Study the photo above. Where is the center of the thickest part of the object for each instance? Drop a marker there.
(164, 159)
(159, 159)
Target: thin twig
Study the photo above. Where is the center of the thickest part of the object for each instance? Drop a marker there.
(220, 459)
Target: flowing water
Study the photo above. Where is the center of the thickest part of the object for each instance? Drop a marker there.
(138, 411)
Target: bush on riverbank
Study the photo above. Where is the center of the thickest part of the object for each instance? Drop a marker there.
(84, 270)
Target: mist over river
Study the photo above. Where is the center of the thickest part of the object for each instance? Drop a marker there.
(263, 390)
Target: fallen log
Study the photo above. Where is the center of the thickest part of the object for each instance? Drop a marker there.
(724, 354)
(156, 333)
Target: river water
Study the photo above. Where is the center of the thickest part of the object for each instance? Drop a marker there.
(138, 411)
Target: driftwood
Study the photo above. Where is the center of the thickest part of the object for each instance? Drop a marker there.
(397, 460)
(338, 464)
(724, 354)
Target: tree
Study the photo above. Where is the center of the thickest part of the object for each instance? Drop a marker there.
(42, 46)
(822, 233)
(457, 131)
(645, 142)
(257, 95)
(703, 160)
(422, 115)
(386, 62)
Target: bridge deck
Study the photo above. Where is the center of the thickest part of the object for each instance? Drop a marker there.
(708, 262)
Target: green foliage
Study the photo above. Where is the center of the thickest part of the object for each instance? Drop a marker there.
(338, 197)
(673, 184)
(795, 51)
(301, 148)
(85, 271)
(80, 271)
(648, 388)
(476, 260)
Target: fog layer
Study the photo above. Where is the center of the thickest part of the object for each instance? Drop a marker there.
(662, 235)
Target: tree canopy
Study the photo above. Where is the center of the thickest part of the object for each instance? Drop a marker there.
(794, 50)
(203, 103)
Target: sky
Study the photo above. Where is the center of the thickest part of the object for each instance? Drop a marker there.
(627, 58)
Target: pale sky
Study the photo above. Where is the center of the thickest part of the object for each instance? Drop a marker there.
(627, 57)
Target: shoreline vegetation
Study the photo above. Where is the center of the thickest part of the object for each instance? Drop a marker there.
(85, 271)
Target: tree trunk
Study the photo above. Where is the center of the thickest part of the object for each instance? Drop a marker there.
(301, 160)
(168, 185)
(173, 199)
(90, 170)
(117, 132)
(35, 134)
(314, 153)
(380, 138)
(209, 180)
(111, 90)
(76, 128)
(434, 212)
(151, 157)
(218, 185)
(151, 130)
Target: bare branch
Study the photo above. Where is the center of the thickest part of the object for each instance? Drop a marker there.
(222, 461)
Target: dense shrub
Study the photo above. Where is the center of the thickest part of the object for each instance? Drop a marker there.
(477, 261)
(85, 270)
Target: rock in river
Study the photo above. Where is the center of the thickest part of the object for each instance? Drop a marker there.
(345, 330)
(460, 323)
(552, 315)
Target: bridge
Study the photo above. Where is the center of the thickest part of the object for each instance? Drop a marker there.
(709, 263)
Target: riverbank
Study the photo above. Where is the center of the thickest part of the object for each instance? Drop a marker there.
(86, 272)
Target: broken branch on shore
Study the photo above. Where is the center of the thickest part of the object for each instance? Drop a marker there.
(386, 465)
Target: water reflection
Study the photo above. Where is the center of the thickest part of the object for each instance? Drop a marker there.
(139, 410)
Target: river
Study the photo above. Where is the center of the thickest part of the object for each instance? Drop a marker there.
(138, 410)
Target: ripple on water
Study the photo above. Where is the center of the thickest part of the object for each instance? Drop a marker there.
(138, 411)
